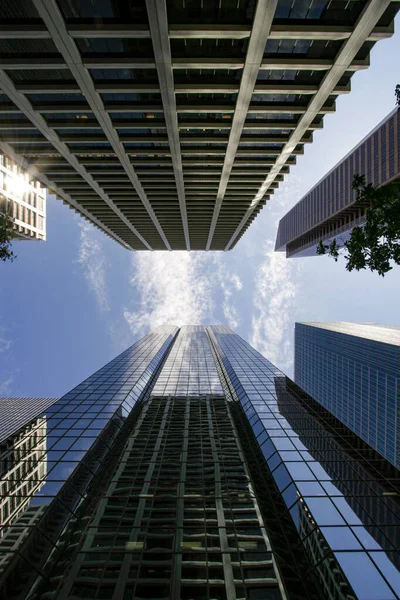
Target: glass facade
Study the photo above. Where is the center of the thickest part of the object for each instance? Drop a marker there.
(348, 561)
(190, 367)
(191, 468)
(80, 430)
(353, 370)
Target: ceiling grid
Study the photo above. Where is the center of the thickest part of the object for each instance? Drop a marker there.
(170, 124)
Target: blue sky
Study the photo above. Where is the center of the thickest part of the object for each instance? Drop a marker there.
(71, 304)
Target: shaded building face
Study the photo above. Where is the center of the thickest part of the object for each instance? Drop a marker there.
(358, 475)
(189, 467)
(329, 210)
(170, 124)
(17, 412)
(23, 470)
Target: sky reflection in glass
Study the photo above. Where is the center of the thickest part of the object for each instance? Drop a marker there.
(322, 513)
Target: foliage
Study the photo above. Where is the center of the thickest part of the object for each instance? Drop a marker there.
(376, 243)
(6, 235)
(397, 94)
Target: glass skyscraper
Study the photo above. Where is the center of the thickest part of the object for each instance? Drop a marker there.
(353, 370)
(190, 467)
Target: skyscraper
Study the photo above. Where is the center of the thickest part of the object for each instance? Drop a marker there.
(23, 474)
(23, 199)
(353, 370)
(169, 124)
(23, 468)
(190, 467)
(16, 412)
(329, 209)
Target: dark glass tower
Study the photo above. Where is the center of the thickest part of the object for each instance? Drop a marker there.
(191, 468)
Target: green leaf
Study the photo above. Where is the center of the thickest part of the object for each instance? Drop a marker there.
(376, 244)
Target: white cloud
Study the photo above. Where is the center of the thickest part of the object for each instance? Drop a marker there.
(274, 301)
(231, 314)
(236, 282)
(276, 286)
(7, 375)
(5, 344)
(229, 283)
(180, 288)
(173, 287)
(6, 385)
(93, 263)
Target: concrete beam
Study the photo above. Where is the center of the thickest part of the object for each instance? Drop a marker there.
(270, 64)
(54, 21)
(132, 87)
(8, 87)
(368, 19)
(281, 30)
(262, 22)
(158, 21)
(51, 185)
(129, 107)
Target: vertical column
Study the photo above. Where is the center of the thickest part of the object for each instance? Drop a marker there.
(180, 510)
(224, 545)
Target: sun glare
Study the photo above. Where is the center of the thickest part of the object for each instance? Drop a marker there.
(19, 185)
